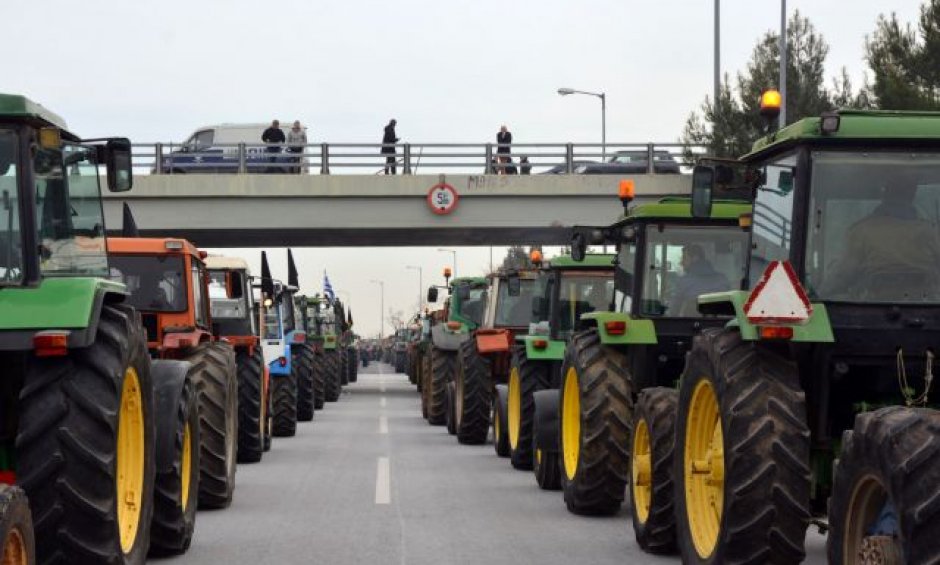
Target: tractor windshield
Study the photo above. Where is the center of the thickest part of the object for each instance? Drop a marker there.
(474, 304)
(223, 306)
(580, 293)
(272, 324)
(874, 229)
(286, 306)
(682, 262)
(515, 311)
(155, 282)
(11, 247)
(70, 217)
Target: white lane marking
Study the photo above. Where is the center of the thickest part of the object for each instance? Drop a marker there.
(383, 424)
(383, 490)
(382, 402)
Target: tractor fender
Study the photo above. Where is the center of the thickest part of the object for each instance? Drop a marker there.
(445, 340)
(168, 376)
(546, 419)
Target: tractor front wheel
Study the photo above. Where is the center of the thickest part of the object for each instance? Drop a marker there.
(741, 468)
(303, 361)
(442, 369)
(500, 426)
(525, 378)
(331, 372)
(651, 460)
(250, 405)
(176, 490)
(17, 543)
(884, 500)
(596, 409)
(319, 382)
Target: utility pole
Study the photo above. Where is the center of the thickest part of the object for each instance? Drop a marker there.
(783, 64)
(717, 52)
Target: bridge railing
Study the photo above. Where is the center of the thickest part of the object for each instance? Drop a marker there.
(417, 158)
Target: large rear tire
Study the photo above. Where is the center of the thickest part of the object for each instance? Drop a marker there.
(176, 491)
(216, 383)
(546, 459)
(17, 542)
(451, 418)
(884, 497)
(443, 365)
(250, 405)
(269, 411)
(652, 444)
(86, 446)
(303, 362)
(343, 365)
(741, 469)
(473, 395)
(331, 370)
(525, 378)
(596, 409)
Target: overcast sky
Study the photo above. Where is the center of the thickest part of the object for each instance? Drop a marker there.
(448, 70)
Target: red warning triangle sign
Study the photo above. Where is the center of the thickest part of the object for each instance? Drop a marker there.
(778, 298)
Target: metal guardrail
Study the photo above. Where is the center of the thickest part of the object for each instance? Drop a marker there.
(410, 158)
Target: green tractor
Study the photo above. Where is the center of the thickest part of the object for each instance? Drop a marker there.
(815, 399)
(626, 361)
(313, 322)
(462, 313)
(330, 359)
(78, 419)
(567, 290)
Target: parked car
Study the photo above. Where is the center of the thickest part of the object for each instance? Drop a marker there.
(561, 169)
(214, 149)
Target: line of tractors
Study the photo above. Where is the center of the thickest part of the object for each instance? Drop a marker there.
(753, 360)
(136, 372)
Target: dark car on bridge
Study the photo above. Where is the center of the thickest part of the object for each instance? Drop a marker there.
(631, 162)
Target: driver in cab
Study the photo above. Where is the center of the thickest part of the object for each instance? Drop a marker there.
(889, 254)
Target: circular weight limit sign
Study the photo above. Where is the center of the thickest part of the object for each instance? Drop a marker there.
(442, 198)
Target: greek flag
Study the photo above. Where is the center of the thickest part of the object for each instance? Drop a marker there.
(328, 288)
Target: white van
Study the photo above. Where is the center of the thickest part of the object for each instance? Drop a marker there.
(214, 149)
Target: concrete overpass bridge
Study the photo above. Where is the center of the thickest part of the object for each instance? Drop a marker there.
(225, 210)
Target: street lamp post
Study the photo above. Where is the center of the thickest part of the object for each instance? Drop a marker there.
(381, 307)
(420, 284)
(454, 253)
(603, 97)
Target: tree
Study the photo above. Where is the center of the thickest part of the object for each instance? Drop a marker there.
(728, 128)
(516, 258)
(905, 62)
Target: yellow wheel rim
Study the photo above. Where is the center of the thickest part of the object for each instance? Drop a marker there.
(641, 469)
(187, 465)
(515, 407)
(704, 468)
(130, 460)
(14, 549)
(571, 423)
(538, 456)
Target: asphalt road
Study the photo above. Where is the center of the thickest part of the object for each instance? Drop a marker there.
(369, 481)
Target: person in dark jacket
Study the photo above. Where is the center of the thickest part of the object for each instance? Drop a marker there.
(274, 137)
(525, 167)
(388, 146)
(503, 149)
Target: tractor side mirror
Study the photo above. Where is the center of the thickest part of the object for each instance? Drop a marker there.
(514, 285)
(703, 181)
(432, 294)
(118, 161)
(578, 246)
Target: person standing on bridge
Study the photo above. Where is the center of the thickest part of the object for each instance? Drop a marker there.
(274, 137)
(388, 146)
(296, 140)
(503, 150)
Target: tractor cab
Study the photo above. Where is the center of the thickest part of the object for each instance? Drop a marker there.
(168, 283)
(233, 308)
